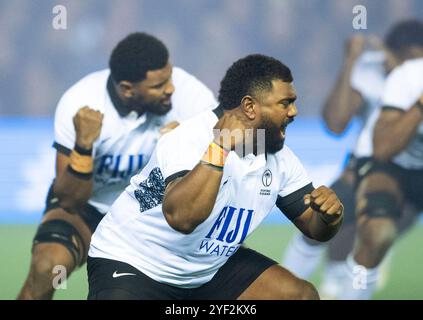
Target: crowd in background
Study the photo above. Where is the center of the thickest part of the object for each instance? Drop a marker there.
(38, 62)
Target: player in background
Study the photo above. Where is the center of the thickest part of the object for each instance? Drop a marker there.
(357, 92)
(106, 128)
(391, 179)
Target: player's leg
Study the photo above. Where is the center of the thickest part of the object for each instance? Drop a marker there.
(333, 271)
(406, 221)
(379, 205)
(116, 280)
(341, 244)
(250, 275)
(303, 254)
(62, 239)
(277, 283)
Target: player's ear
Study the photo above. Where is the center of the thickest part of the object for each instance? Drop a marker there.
(249, 107)
(126, 89)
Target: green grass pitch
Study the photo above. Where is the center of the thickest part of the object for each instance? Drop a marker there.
(405, 281)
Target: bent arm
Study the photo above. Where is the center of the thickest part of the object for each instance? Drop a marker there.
(313, 226)
(188, 201)
(343, 101)
(317, 213)
(393, 131)
(72, 190)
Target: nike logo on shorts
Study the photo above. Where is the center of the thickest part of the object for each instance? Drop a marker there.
(117, 275)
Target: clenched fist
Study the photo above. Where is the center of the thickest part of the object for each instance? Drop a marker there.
(355, 46)
(324, 201)
(231, 132)
(87, 123)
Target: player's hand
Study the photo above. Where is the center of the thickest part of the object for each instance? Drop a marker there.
(230, 132)
(87, 124)
(324, 201)
(355, 46)
(168, 127)
(375, 42)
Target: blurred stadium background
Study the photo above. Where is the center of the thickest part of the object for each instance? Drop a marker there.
(37, 63)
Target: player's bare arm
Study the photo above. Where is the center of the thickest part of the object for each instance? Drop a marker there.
(394, 129)
(188, 201)
(324, 216)
(343, 101)
(73, 183)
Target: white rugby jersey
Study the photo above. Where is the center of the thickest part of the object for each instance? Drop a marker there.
(404, 87)
(126, 142)
(368, 78)
(136, 232)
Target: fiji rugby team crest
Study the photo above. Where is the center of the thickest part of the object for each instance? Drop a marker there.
(266, 179)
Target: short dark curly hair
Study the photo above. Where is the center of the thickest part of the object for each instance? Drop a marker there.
(138, 53)
(404, 35)
(249, 75)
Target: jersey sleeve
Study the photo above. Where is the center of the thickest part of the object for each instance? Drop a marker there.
(191, 95)
(179, 151)
(294, 174)
(367, 74)
(356, 75)
(398, 91)
(295, 184)
(64, 131)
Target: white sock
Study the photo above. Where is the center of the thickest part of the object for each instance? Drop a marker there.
(359, 282)
(330, 286)
(302, 258)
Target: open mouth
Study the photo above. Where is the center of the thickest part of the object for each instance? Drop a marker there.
(283, 129)
(166, 102)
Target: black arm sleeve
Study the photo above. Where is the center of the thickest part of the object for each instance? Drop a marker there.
(62, 149)
(292, 205)
(392, 108)
(175, 176)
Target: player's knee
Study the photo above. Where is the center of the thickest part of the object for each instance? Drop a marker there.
(308, 292)
(46, 263)
(303, 290)
(378, 234)
(379, 204)
(64, 240)
(42, 266)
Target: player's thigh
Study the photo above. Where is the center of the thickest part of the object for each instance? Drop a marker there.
(62, 235)
(345, 190)
(277, 283)
(379, 195)
(380, 181)
(73, 219)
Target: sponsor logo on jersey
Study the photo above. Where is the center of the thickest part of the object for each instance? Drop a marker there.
(118, 167)
(228, 231)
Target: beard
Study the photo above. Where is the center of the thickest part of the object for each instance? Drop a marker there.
(159, 108)
(274, 139)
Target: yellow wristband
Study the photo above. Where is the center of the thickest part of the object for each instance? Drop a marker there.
(81, 163)
(215, 155)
